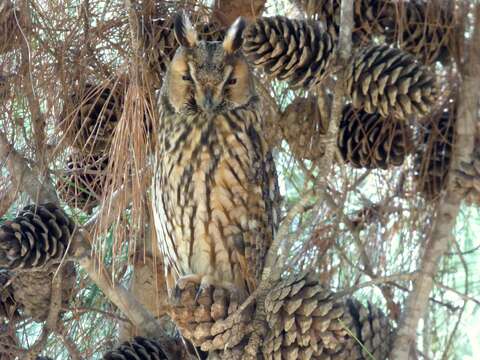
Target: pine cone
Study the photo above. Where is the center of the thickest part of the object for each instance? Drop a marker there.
(390, 82)
(83, 184)
(307, 322)
(371, 17)
(303, 126)
(371, 141)
(147, 349)
(33, 290)
(201, 319)
(424, 29)
(8, 305)
(38, 236)
(434, 154)
(10, 21)
(293, 50)
(90, 117)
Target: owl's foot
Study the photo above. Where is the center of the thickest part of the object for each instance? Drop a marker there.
(203, 286)
(200, 302)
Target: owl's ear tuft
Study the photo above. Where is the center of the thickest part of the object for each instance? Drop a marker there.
(234, 38)
(185, 33)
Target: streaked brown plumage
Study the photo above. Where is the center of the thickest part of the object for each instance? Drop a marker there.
(215, 189)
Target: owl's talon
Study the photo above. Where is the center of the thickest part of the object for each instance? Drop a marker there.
(176, 295)
(202, 291)
(183, 293)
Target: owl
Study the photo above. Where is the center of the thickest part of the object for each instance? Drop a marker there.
(215, 191)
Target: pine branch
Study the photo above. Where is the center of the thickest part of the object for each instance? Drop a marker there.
(117, 294)
(448, 207)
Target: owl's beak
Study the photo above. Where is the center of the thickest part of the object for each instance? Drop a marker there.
(208, 101)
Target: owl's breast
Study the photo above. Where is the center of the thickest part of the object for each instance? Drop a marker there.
(209, 198)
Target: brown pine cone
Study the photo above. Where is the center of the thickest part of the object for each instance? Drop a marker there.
(33, 290)
(303, 126)
(391, 82)
(371, 141)
(140, 348)
(10, 21)
(90, 116)
(297, 51)
(424, 29)
(200, 317)
(434, 152)
(371, 17)
(8, 305)
(37, 237)
(84, 181)
(307, 321)
(137, 349)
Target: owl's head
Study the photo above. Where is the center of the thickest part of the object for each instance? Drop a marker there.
(205, 76)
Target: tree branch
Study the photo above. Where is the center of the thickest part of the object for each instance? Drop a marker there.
(448, 207)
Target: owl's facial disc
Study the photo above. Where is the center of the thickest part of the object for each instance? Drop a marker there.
(212, 82)
(208, 76)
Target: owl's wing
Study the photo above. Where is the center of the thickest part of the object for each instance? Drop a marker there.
(264, 206)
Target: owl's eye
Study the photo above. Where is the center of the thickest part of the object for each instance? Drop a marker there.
(232, 81)
(187, 78)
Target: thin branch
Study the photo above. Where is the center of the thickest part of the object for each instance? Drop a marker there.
(464, 297)
(71, 347)
(7, 197)
(55, 301)
(377, 281)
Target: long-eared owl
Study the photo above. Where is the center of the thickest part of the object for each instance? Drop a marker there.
(215, 191)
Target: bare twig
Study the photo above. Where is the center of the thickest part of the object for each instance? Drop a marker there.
(55, 301)
(377, 281)
(73, 350)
